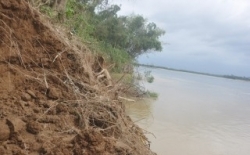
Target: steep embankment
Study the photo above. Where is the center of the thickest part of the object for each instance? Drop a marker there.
(50, 100)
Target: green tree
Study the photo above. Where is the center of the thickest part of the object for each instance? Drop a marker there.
(143, 36)
(132, 34)
(121, 38)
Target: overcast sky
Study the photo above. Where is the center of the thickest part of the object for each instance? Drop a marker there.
(211, 36)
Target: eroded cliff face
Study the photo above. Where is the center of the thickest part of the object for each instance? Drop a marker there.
(50, 100)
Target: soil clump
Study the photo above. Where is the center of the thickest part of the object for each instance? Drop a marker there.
(50, 99)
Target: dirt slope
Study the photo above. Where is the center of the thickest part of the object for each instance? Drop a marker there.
(50, 100)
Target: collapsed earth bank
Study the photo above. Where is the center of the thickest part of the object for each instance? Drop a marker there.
(50, 99)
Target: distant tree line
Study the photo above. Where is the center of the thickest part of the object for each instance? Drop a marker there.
(187, 71)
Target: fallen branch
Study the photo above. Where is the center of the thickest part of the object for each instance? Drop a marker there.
(126, 99)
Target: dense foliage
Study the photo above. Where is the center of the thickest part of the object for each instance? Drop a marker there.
(121, 38)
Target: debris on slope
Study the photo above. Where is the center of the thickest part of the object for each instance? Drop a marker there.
(50, 99)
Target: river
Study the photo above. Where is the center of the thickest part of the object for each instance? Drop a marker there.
(195, 114)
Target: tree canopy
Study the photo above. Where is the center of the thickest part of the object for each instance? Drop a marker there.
(132, 33)
(119, 37)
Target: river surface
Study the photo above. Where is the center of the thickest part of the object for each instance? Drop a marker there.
(195, 114)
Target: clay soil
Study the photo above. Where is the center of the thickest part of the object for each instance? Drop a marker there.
(50, 101)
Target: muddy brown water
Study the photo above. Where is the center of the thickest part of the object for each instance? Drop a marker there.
(195, 115)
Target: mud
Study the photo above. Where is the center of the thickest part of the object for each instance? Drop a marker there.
(50, 101)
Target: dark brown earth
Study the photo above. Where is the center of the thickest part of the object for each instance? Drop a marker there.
(50, 100)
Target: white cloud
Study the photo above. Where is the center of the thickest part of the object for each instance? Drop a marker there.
(215, 32)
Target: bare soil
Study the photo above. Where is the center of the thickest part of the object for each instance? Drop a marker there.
(50, 100)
